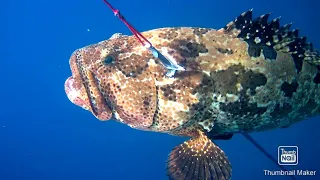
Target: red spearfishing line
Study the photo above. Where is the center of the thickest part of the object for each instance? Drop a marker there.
(169, 64)
(136, 33)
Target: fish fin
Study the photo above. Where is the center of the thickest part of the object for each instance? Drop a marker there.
(286, 126)
(220, 137)
(269, 38)
(198, 159)
(117, 35)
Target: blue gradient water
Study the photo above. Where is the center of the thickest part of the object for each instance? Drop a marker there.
(45, 137)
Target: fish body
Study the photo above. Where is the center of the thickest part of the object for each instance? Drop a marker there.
(252, 75)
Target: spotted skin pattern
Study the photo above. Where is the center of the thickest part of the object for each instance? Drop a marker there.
(252, 75)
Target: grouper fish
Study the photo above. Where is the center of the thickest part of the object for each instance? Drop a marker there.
(252, 75)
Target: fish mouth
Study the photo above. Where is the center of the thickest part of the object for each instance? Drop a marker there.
(75, 94)
(88, 97)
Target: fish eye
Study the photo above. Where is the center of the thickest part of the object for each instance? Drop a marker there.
(108, 60)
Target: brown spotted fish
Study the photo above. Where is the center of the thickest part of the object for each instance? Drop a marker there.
(252, 75)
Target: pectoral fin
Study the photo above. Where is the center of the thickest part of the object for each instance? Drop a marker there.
(198, 159)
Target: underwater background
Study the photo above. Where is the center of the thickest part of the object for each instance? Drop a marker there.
(43, 136)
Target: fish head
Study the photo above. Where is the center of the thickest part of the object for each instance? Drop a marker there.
(114, 79)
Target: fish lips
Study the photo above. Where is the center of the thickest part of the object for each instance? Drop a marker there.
(77, 94)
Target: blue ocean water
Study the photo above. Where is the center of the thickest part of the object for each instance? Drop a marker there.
(43, 136)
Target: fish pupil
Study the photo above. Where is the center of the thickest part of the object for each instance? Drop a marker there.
(108, 60)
